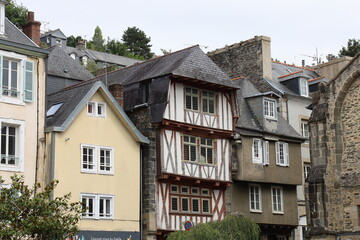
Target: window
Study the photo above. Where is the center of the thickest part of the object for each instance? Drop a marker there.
(257, 151)
(97, 206)
(96, 109)
(208, 102)
(58, 42)
(73, 56)
(277, 199)
(305, 129)
(97, 159)
(266, 153)
(54, 108)
(198, 149)
(194, 97)
(306, 170)
(282, 154)
(269, 108)
(11, 145)
(255, 198)
(206, 150)
(197, 201)
(304, 88)
(16, 78)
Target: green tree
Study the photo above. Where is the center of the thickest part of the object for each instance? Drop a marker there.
(137, 42)
(116, 47)
(17, 14)
(28, 213)
(353, 47)
(72, 41)
(232, 227)
(97, 43)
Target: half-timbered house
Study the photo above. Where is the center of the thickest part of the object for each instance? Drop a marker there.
(186, 106)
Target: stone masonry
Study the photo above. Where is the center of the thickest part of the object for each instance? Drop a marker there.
(333, 190)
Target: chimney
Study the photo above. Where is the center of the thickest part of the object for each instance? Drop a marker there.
(32, 28)
(2, 16)
(250, 58)
(80, 45)
(117, 91)
(303, 63)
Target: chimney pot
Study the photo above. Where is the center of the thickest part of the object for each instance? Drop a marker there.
(31, 16)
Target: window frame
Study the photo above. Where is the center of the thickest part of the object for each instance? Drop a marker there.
(257, 147)
(202, 96)
(19, 144)
(267, 102)
(97, 159)
(266, 153)
(192, 96)
(95, 109)
(303, 88)
(285, 154)
(199, 147)
(277, 202)
(96, 205)
(304, 127)
(208, 99)
(257, 199)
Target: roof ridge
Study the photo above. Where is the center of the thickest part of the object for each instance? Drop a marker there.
(290, 74)
(139, 63)
(292, 65)
(74, 86)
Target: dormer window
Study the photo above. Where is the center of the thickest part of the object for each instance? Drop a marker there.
(304, 88)
(270, 108)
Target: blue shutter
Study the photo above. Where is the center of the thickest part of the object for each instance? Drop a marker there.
(28, 81)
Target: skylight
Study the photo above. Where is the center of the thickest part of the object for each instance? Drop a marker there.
(54, 108)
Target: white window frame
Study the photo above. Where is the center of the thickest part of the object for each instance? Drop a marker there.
(304, 87)
(257, 198)
(270, 107)
(95, 106)
(257, 151)
(111, 163)
(307, 168)
(206, 147)
(282, 154)
(19, 147)
(304, 126)
(192, 96)
(97, 198)
(96, 150)
(85, 215)
(266, 155)
(205, 97)
(277, 200)
(21, 59)
(199, 147)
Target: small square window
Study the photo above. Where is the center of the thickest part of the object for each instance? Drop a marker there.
(195, 191)
(205, 192)
(96, 109)
(174, 189)
(185, 190)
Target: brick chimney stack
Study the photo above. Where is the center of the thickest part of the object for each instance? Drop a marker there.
(32, 28)
(117, 91)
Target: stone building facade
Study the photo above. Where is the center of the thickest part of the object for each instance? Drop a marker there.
(333, 190)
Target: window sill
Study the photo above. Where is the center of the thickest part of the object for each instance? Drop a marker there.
(88, 172)
(190, 214)
(271, 119)
(278, 213)
(256, 211)
(106, 173)
(199, 163)
(14, 101)
(279, 165)
(10, 169)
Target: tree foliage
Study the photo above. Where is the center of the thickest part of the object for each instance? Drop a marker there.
(232, 227)
(28, 213)
(72, 41)
(353, 47)
(97, 42)
(137, 42)
(116, 47)
(17, 14)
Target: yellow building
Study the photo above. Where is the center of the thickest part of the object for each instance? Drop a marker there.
(22, 102)
(93, 149)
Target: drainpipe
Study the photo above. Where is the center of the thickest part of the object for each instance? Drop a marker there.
(141, 195)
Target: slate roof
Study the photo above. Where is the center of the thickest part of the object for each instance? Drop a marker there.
(190, 63)
(101, 56)
(56, 33)
(12, 33)
(62, 65)
(249, 121)
(74, 99)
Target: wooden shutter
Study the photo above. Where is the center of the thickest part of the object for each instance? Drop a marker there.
(286, 154)
(277, 153)
(28, 81)
(1, 71)
(266, 153)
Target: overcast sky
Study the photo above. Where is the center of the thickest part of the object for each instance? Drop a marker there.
(296, 27)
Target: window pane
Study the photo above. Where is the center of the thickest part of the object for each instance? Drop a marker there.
(195, 205)
(195, 103)
(206, 207)
(185, 204)
(174, 204)
(188, 102)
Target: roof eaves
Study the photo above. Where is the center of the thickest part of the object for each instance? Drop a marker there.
(22, 48)
(274, 87)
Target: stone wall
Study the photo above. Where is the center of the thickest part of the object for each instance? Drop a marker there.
(250, 59)
(141, 119)
(333, 190)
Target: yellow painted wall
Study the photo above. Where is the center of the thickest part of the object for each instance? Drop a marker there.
(124, 184)
(34, 124)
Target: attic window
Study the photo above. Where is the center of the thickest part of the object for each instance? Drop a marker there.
(304, 88)
(54, 108)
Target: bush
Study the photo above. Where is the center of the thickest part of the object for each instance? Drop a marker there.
(232, 227)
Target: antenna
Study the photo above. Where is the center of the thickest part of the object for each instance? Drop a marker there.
(315, 58)
(44, 24)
